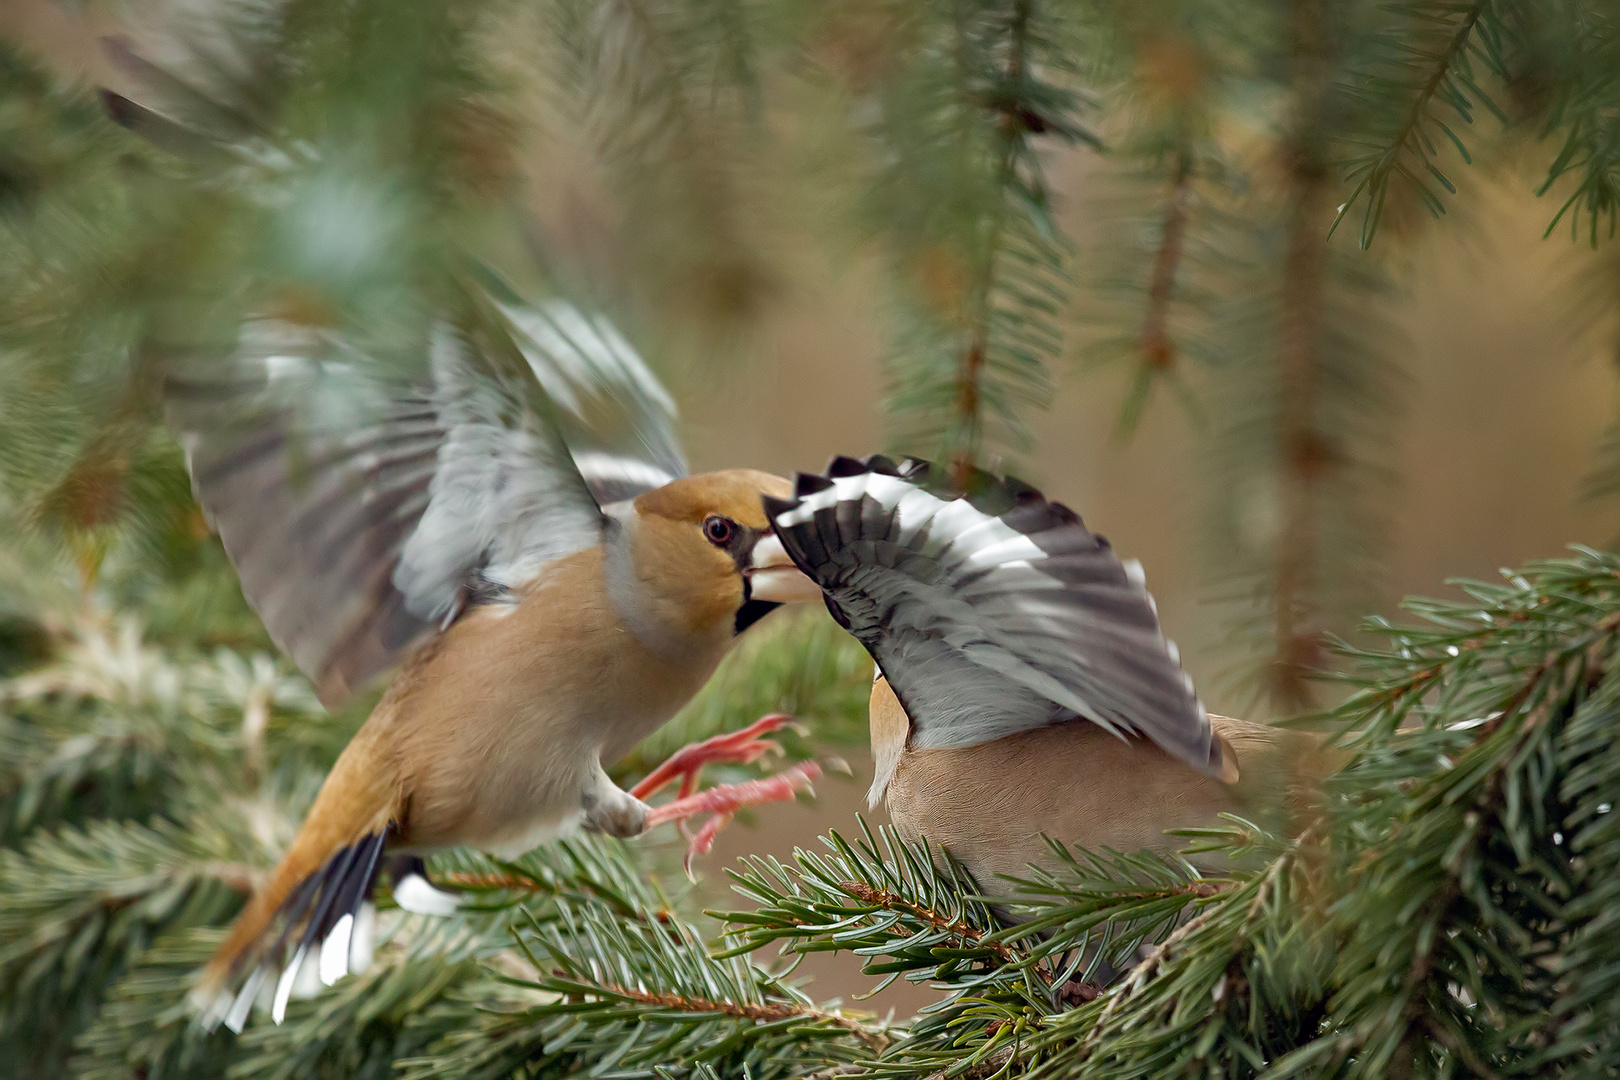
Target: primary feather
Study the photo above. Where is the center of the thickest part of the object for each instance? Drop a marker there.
(365, 508)
(990, 613)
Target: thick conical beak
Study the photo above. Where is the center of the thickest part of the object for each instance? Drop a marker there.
(773, 577)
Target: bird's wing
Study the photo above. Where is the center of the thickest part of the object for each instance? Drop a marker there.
(991, 613)
(365, 508)
(615, 415)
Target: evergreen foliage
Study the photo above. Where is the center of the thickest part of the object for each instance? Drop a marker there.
(1443, 908)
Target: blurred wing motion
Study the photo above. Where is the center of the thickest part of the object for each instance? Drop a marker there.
(365, 508)
(991, 613)
(615, 415)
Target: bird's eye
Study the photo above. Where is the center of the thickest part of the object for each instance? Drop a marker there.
(719, 530)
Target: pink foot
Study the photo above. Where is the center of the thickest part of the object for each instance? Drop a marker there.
(724, 801)
(741, 747)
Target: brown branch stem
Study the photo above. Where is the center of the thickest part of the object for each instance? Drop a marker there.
(1457, 43)
(894, 902)
(1012, 129)
(766, 1013)
(1142, 972)
(1306, 452)
(1157, 349)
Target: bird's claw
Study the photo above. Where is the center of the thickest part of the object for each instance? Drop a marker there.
(1077, 992)
(738, 747)
(724, 801)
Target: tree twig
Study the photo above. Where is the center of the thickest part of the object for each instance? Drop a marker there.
(766, 1013)
(1157, 349)
(1012, 129)
(895, 902)
(1306, 453)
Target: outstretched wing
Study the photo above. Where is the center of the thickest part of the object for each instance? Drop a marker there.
(990, 613)
(616, 417)
(364, 509)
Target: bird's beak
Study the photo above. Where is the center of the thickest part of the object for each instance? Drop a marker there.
(775, 579)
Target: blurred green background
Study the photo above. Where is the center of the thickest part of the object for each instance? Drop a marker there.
(1504, 341)
(733, 183)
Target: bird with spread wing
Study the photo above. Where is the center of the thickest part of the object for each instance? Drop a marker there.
(513, 527)
(1024, 689)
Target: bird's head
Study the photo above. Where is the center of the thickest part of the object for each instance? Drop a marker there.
(704, 554)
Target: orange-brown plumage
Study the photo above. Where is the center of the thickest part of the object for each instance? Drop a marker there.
(732, 493)
(991, 804)
(495, 731)
(1026, 688)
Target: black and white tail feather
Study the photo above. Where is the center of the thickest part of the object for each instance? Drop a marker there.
(323, 931)
(990, 612)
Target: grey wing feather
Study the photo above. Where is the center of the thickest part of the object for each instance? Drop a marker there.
(363, 508)
(990, 614)
(615, 415)
(505, 497)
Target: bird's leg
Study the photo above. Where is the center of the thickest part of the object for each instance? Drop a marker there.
(725, 800)
(609, 810)
(740, 747)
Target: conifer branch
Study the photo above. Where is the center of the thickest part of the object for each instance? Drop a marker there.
(1306, 454)
(764, 1013)
(1155, 344)
(658, 94)
(991, 262)
(1012, 129)
(1423, 74)
(884, 898)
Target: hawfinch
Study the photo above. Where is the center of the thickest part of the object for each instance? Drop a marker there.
(1024, 689)
(555, 589)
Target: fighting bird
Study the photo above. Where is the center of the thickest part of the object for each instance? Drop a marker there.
(512, 526)
(1023, 688)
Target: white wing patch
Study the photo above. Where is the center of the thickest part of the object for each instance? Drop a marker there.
(595, 465)
(981, 539)
(335, 950)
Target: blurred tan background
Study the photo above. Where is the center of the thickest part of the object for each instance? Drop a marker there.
(1506, 395)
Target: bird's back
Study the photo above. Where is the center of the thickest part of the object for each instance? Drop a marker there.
(989, 805)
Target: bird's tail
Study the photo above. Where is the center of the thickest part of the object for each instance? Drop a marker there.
(315, 902)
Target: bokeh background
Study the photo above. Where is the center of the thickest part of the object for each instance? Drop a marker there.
(1498, 343)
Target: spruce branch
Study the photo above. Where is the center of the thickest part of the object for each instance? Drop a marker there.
(768, 1013)
(1011, 130)
(639, 991)
(664, 89)
(988, 260)
(969, 936)
(1425, 57)
(1305, 452)
(80, 908)
(1158, 350)
(1580, 104)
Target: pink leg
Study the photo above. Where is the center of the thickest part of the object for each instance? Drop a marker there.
(742, 747)
(725, 800)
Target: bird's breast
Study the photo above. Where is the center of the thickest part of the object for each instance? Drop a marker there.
(504, 723)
